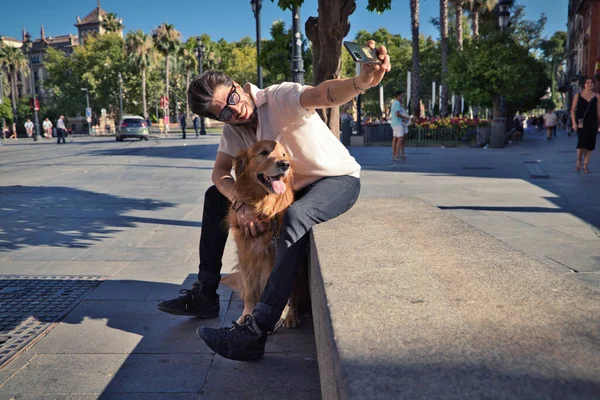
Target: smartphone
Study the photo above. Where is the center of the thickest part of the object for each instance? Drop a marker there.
(361, 53)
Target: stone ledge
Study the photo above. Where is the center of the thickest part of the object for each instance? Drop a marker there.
(411, 302)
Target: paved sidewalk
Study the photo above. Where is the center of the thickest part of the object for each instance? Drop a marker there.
(527, 194)
(130, 213)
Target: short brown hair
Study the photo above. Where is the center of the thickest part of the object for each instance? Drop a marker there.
(202, 89)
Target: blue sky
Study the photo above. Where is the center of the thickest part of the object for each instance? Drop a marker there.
(231, 19)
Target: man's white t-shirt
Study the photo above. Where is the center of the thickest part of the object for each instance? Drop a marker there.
(315, 152)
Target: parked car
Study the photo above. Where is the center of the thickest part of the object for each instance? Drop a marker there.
(132, 126)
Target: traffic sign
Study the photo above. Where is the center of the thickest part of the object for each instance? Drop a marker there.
(89, 119)
(88, 112)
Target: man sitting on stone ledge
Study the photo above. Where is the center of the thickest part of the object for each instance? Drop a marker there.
(326, 182)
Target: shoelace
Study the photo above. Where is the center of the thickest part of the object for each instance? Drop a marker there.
(239, 329)
(188, 293)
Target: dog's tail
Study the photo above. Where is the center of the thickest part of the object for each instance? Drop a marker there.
(233, 280)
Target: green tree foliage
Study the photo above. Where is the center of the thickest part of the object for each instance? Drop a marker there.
(495, 64)
(526, 32)
(276, 56)
(15, 63)
(242, 67)
(111, 23)
(553, 53)
(6, 112)
(96, 66)
(139, 47)
(167, 40)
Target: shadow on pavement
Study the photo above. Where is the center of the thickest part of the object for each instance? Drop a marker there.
(190, 151)
(550, 166)
(137, 350)
(66, 217)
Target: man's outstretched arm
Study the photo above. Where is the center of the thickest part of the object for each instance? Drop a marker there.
(335, 92)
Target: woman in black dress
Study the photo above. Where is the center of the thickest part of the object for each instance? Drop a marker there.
(585, 114)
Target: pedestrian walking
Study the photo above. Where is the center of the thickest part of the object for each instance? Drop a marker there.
(327, 184)
(550, 124)
(399, 123)
(182, 122)
(585, 113)
(14, 132)
(47, 126)
(196, 122)
(29, 128)
(61, 130)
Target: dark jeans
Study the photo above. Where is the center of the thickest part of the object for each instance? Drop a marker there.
(61, 135)
(318, 202)
(197, 132)
(183, 131)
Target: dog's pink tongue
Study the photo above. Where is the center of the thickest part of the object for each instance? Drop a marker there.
(278, 187)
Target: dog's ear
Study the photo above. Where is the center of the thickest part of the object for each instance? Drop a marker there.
(240, 162)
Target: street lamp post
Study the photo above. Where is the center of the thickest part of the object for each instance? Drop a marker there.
(200, 51)
(297, 62)
(120, 95)
(256, 6)
(2, 101)
(87, 102)
(499, 124)
(36, 120)
(503, 19)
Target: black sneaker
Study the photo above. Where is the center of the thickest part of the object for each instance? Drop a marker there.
(245, 342)
(193, 303)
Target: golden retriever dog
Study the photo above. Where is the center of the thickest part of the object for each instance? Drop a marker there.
(263, 182)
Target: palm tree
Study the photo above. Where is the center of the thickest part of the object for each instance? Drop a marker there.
(111, 23)
(416, 67)
(139, 49)
(444, 44)
(479, 7)
(458, 6)
(189, 63)
(15, 63)
(166, 38)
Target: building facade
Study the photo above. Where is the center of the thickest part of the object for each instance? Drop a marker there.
(90, 25)
(583, 44)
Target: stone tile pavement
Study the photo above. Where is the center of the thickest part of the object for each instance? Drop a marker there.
(131, 213)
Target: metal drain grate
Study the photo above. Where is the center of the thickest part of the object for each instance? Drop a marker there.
(29, 305)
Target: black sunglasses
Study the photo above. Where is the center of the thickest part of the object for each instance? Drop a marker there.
(232, 99)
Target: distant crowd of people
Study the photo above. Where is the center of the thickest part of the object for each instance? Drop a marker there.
(48, 130)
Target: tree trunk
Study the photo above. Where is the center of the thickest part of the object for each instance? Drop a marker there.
(475, 14)
(187, 86)
(444, 43)
(496, 107)
(144, 93)
(459, 24)
(13, 94)
(326, 32)
(416, 65)
(459, 38)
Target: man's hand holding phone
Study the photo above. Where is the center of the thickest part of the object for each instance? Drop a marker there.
(372, 73)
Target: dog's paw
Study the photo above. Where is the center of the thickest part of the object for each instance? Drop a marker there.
(292, 319)
(291, 322)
